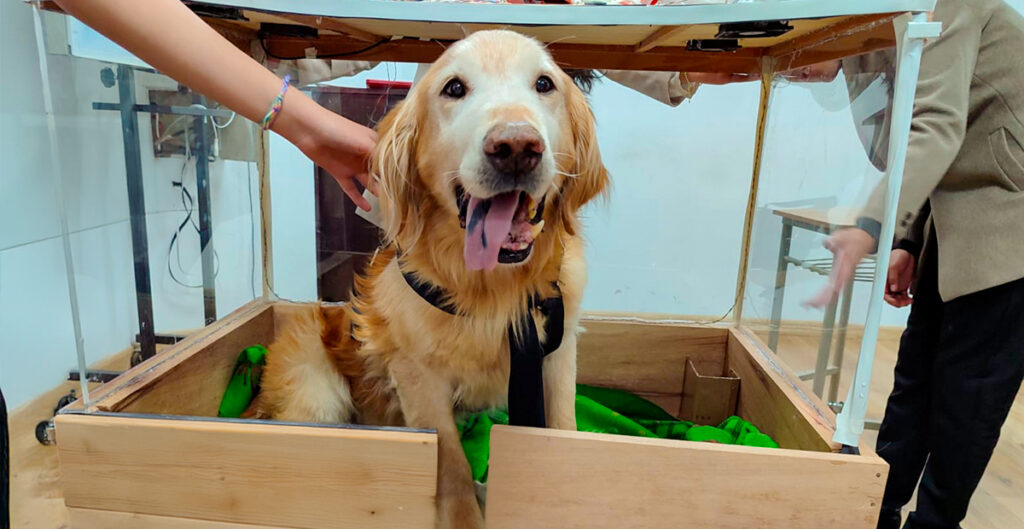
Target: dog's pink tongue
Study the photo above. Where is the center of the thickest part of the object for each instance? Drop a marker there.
(489, 223)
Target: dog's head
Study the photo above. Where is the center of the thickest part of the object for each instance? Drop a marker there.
(495, 143)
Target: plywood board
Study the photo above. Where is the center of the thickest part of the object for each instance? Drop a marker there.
(646, 357)
(771, 397)
(93, 519)
(247, 473)
(190, 378)
(562, 480)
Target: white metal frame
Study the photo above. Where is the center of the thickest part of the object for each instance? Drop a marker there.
(910, 42)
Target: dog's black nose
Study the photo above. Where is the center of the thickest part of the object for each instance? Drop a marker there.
(513, 148)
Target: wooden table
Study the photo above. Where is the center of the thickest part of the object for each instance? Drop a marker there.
(823, 221)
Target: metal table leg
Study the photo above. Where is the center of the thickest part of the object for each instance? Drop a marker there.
(844, 319)
(825, 347)
(205, 221)
(780, 285)
(137, 209)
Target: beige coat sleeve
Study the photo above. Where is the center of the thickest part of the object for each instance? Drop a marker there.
(665, 87)
(940, 113)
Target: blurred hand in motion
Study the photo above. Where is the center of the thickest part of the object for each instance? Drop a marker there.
(902, 267)
(848, 247)
(719, 78)
(823, 72)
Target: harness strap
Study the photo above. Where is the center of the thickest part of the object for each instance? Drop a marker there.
(526, 352)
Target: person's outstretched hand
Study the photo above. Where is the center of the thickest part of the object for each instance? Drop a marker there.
(848, 247)
(342, 147)
(902, 266)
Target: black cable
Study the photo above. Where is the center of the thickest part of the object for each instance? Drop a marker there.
(5, 467)
(323, 56)
(188, 203)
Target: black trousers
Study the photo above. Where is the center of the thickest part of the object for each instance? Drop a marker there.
(5, 468)
(959, 368)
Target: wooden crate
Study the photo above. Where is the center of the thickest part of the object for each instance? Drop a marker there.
(151, 454)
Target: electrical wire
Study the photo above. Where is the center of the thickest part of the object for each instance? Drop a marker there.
(188, 203)
(263, 45)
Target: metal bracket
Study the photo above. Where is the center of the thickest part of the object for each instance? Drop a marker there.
(713, 45)
(753, 30)
(98, 376)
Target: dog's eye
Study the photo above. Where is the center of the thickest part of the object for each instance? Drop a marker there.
(545, 84)
(454, 89)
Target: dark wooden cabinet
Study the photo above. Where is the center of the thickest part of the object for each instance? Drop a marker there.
(345, 241)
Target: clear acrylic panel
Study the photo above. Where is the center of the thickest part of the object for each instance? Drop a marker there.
(823, 165)
(153, 187)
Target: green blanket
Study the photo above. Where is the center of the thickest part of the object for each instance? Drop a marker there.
(611, 411)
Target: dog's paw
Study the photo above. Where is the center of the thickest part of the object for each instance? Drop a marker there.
(462, 512)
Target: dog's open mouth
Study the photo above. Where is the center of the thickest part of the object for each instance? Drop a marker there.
(499, 229)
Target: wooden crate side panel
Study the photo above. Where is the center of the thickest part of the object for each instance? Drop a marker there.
(776, 404)
(647, 358)
(112, 394)
(561, 480)
(244, 473)
(93, 519)
(195, 383)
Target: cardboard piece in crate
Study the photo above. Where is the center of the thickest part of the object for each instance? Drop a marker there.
(709, 398)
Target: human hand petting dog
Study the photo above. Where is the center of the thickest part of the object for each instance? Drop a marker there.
(339, 145)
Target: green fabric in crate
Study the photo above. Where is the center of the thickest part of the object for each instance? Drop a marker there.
(611, 411)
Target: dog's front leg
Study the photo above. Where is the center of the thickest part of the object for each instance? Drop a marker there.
(426, 401)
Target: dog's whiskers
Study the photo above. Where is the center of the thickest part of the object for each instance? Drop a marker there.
(556, 41)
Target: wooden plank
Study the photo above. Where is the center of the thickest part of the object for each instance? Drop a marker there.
(841, 28)
(615, 57)
(646, 357)
(660, 36)
(334, 25)
(669, 403)
(93, 519)
(198, 365)
(557, 479)
(249, 473)
(773, 398)
(846, 38)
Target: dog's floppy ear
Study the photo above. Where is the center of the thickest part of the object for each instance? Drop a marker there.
(588, 176)
(393, 166)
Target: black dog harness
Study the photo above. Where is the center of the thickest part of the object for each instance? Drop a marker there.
(526, 352)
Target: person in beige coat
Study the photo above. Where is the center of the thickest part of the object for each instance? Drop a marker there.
(960, 251)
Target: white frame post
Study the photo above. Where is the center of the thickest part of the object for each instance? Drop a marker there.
(911, 31)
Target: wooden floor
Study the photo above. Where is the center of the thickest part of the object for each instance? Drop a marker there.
(999, 501)
(998, 504)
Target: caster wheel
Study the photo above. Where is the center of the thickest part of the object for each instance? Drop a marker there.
(44, 433)
(850, 450)
(64, 401)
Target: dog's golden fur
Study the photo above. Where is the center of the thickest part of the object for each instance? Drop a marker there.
(389, 357)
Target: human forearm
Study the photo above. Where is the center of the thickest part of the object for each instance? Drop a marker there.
(168, 36)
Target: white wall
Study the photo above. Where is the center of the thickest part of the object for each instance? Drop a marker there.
(669, 238)
(36, 336)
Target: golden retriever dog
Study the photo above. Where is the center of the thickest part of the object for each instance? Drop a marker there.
(481, 174)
